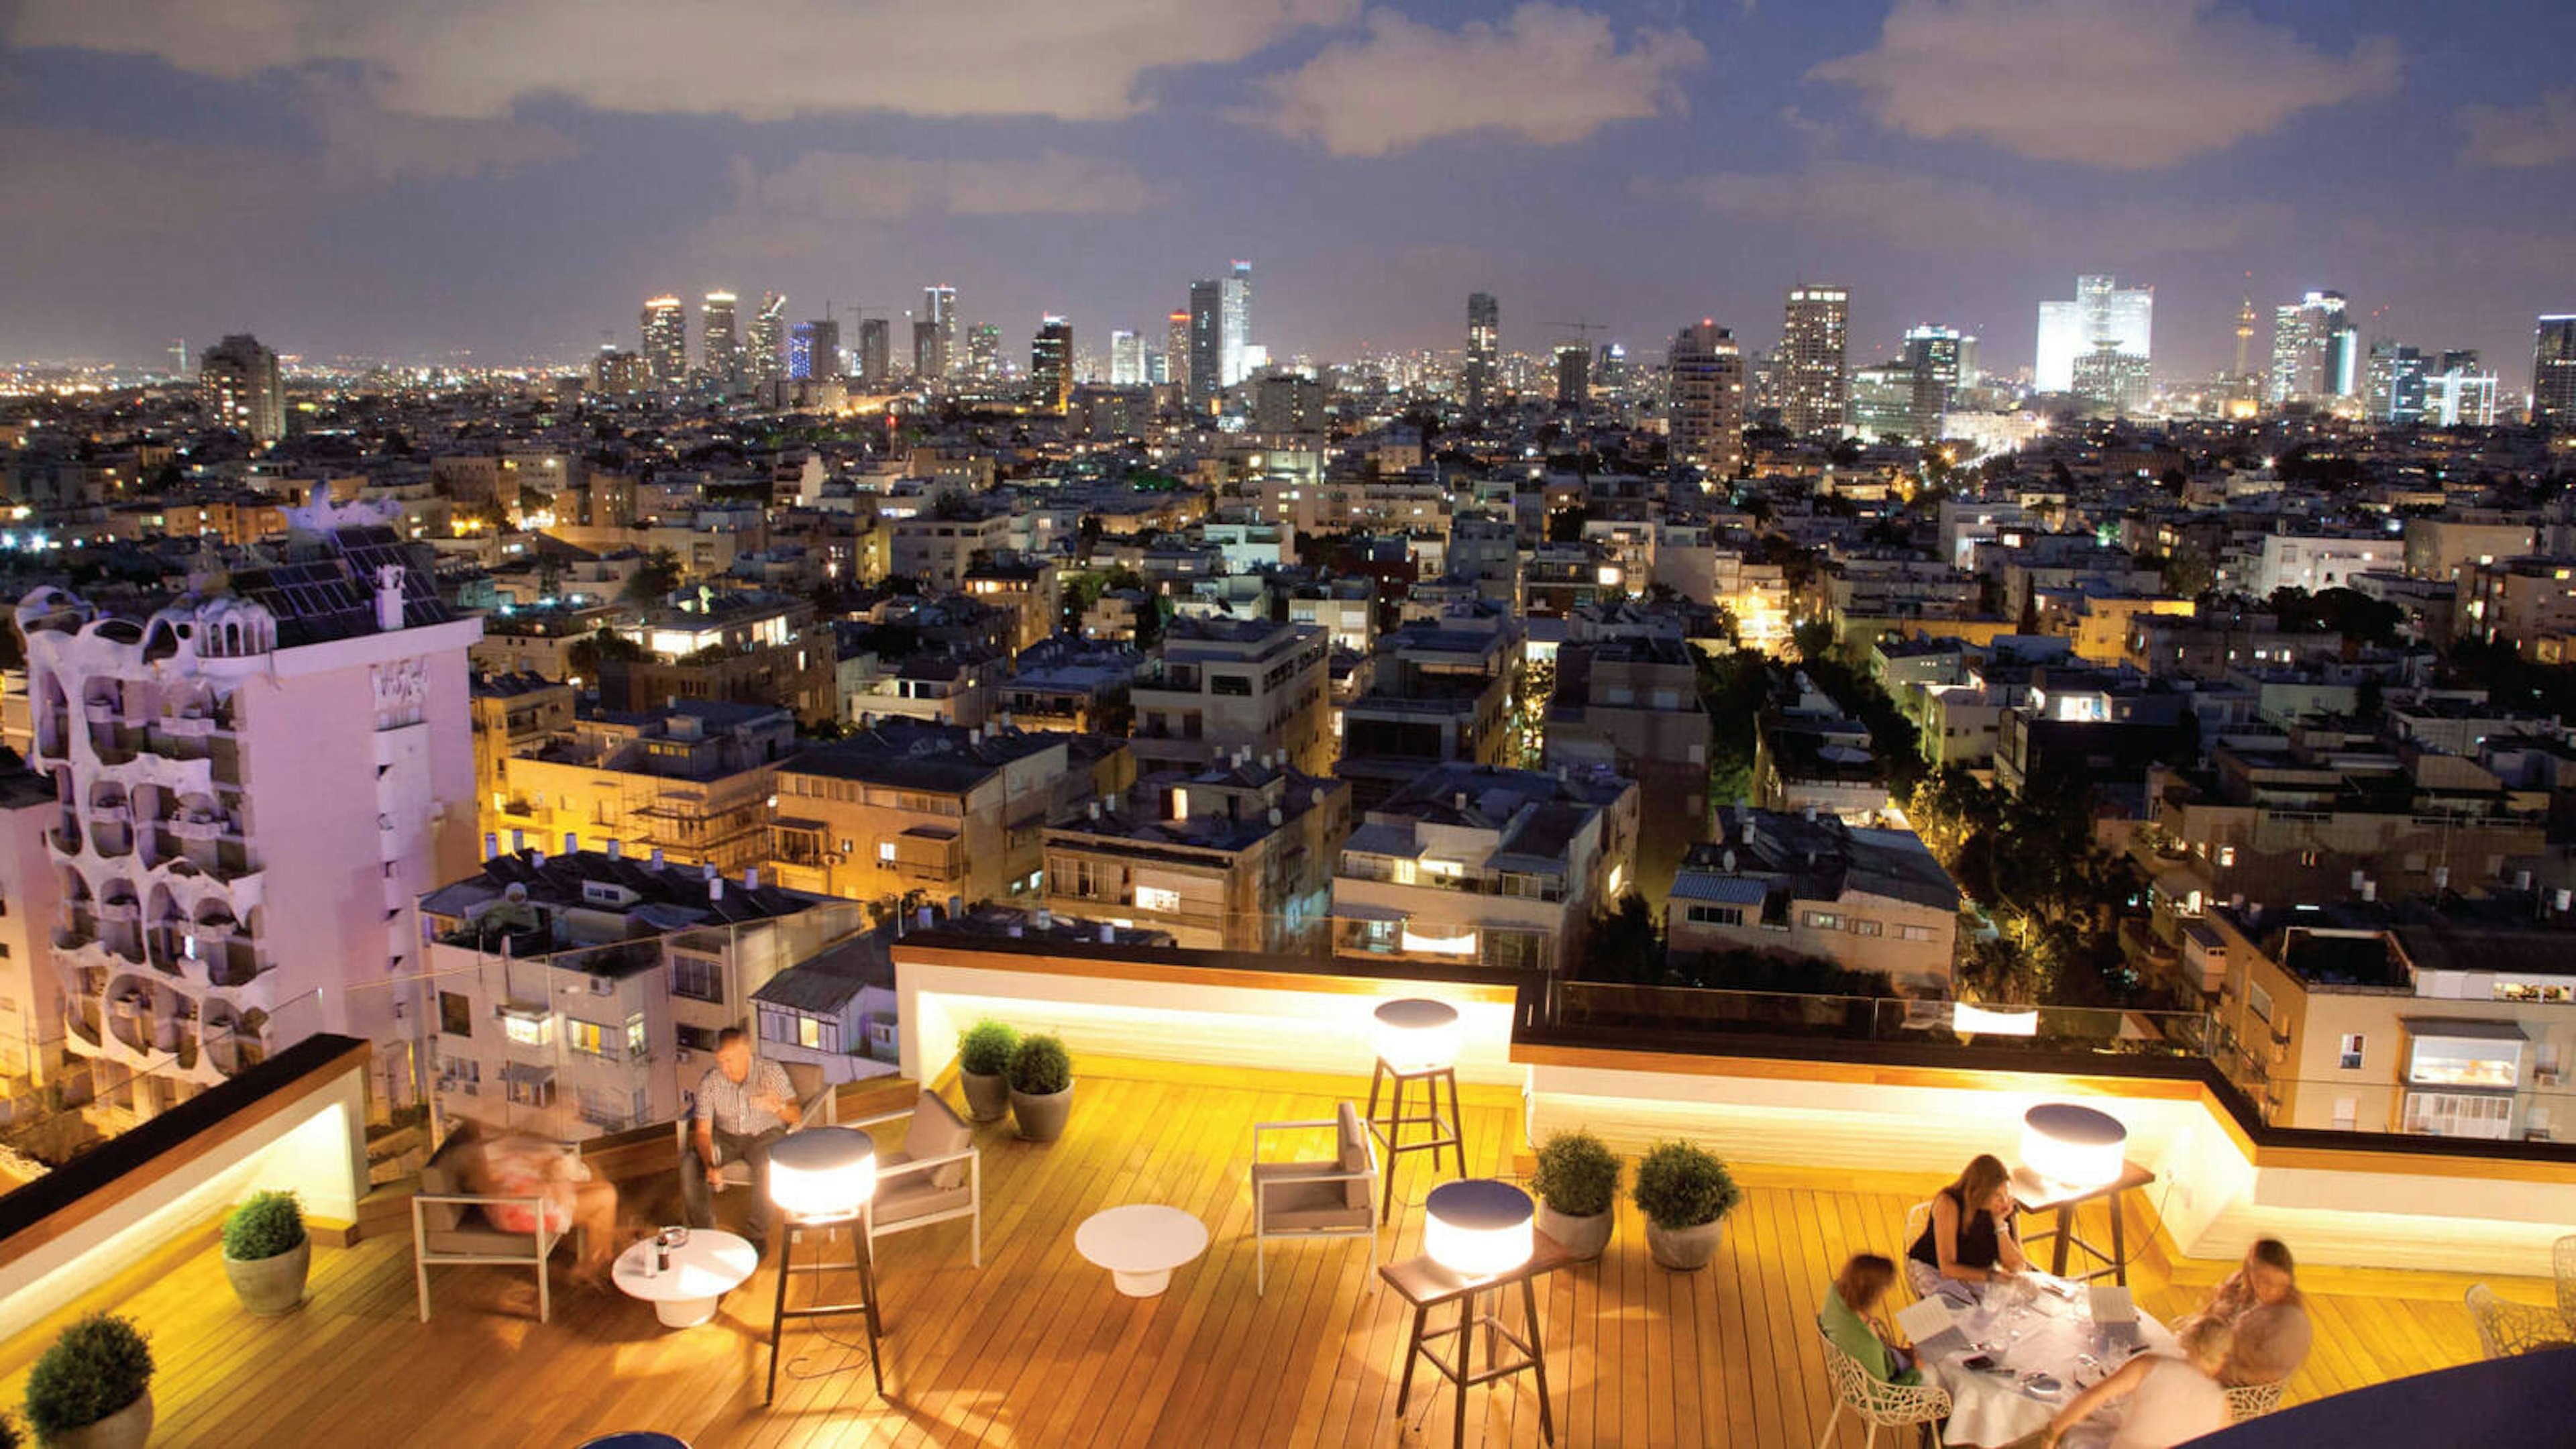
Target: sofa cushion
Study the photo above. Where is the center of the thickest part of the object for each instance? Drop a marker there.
(1355, 1157)
(1289, 1205)
(914, 1195)
(937, 1131)
(481, 1242)
(442, 1174)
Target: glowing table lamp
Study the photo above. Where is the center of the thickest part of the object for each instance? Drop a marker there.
(1479, 1228)
(2073, 1146)
(1415, 1035)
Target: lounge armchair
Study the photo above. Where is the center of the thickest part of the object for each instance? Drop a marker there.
(449, 1227)
(1334, 1198)
(2253, 1401)
(815, 1098)
(937, 1176)
(2506, 1328)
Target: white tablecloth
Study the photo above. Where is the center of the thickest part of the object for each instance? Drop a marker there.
(1993, 1409)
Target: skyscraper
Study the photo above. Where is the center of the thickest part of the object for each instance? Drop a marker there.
(927, 355)
(1238, 322)
(1705, 378)
(1176, 349)
(1126, 358)
(2393, 384)
(2302, 333)
(1933, 354)
(1051, 364)
(2102, 313)
(876, 352)
(939, 309)
(984, 351)
(2553, 372)
(814, 350)
(1811, 362)
(1484, 326)
(237, 380)
(2462, 394)
(666, 341)
(765, 361)
(2113, 378)
(1206, 375)
(1573, 374)
(719, 343)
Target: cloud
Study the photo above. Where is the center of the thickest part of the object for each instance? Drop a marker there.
(480, 59)
(362, 142)
(2112, 83)
(810, 205)
(2540, 134)
(84, 194)
(1548, 74)
(1914, 211)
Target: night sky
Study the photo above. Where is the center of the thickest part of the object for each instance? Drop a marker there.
(513, 177)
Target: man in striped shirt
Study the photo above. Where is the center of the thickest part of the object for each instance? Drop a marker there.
(744, 1104)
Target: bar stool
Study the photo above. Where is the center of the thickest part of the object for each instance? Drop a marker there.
(1417, 1041)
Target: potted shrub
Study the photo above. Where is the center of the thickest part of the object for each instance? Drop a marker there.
(93, 1388)
(1576, 1182)
(9, 1437)
(1685, 1193)
(1041, 1087)
(984, 1069)
(266, 1253)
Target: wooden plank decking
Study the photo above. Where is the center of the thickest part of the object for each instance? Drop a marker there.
(1036, 1350)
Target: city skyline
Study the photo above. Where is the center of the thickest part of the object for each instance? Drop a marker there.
(1677, 171)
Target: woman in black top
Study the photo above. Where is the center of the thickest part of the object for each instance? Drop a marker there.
(1969, 1241)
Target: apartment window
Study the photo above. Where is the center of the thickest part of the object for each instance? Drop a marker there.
(885, 852)
(1156, 898)
(2460, 1114)
(535, 1031)
(586, 1037)
(809, 1033)
(2349, 1053)
(695, 1038)
(455, 1014)
(1823, 921)
(1914, 933)
(1233, 684)
(1867, 928)
(696, 978)
(2258, 1001)
(637, 1046)
(1717, 915)
(538, 1093)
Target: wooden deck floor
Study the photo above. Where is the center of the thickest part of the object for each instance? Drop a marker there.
(1036, 1350)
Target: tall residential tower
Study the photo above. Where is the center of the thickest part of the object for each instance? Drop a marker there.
(1705, 375)
(1484, 326)
(2102, 314)
(1812, 360)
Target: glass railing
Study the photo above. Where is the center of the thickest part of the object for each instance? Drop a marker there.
(1690, 1010)
(2541, 1108)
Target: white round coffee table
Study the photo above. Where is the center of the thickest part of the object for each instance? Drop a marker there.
(703, 1270)
(1140, 1244)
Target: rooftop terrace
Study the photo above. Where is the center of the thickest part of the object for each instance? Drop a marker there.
(1035, 1349)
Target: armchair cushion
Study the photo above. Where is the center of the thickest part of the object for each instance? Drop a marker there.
(1355, 1157)
(480, 1243)
(439, 1176)
(1286, 1199)
(937, 1131)
(915, 1195)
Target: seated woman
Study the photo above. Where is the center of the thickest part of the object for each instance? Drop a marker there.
(1845, 1318)
(516, 1164)
(2170, 1400)
(1969, 1242)
(2262, 1303)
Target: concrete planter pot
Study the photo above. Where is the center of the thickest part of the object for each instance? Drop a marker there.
(1684, 1250)
(127, 1428)
(1041, 1115)
(988, 1097)
(1584, 1237)
(268, 1287)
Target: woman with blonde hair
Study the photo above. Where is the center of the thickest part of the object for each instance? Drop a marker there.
(2170, 1400)
(1969, 1241)
(1845, 1317)
(2262, 1302)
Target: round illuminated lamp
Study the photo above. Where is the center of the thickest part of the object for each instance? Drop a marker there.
(1479, 1228)
(823, 1174)
(2070, 1146)
(1416, 1035)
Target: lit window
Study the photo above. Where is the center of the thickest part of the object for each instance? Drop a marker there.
(1156, 898)
(885, 852)
(533, 1031)
(2350, 1052)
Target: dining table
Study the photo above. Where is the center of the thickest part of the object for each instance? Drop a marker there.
(2046, 1348)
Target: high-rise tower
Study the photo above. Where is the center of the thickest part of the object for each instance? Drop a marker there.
(1051, 364)
(876, 351)
(1206, 375)
(666, 341)
(1126, 358)
(1236, 334)
(1933, 353)
(2102, 314)
(939, 309)
(1484, 327)
(765, 361)
(2307, 360)
(2245, 326)
(814, 350)
(2553, 372)
(237, 379)
(719, 342)
(1812, 360)
(1705, 378)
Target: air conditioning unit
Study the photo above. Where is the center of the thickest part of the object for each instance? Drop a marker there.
(602, 986)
